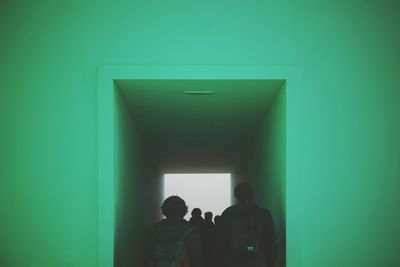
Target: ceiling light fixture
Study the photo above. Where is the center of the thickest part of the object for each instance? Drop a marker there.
(199, 92)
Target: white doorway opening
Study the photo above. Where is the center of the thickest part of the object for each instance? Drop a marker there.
(207, 191)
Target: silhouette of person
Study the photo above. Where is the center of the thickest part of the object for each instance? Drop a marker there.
(246, 234)
(217, 220)
(196, 219)
(209, 238)
(208, 216)
(173, 228)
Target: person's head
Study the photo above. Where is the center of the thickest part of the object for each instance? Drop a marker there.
(217, 219)
(196, 212)
(244, 192)
(174, 206)
(208, 216)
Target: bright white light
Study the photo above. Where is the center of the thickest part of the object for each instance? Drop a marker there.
(207, 191)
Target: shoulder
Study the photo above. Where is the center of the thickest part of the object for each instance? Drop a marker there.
(161, 222)
(263, 210)
(170, 224)
(247, 208)
(228, 211)
(264, 214)
(191, 235)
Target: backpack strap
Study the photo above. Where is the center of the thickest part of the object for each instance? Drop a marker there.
(187, 232)
(256, 230)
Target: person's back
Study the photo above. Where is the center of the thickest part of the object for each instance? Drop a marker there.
(209, 226)
(249, 234)
(174, 234)
(246, 235)
(196, 219)
(209, 239)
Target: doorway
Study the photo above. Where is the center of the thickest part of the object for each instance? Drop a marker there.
(155, 129)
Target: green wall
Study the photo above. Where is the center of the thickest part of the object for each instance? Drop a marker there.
(342, 119)
(263, 164)
(129, 168)
(271, 167)
(138, 190)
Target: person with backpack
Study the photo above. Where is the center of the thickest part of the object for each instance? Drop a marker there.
(173, 242)
(246, 235)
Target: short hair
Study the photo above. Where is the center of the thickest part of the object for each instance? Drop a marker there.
(196, 212)
(244, 192)
(174, 206)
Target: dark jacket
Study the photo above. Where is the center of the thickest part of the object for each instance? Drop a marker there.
(172, 229)
(267, 245)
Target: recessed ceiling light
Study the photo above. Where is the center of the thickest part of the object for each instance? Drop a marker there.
(199, 92)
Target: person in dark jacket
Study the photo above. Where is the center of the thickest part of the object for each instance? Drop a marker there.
(217, 220)
(173, 227)
(261, 250)
(196, 219)
(209, 239)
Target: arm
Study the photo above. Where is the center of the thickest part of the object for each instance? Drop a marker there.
(220, 249)
(270, 244)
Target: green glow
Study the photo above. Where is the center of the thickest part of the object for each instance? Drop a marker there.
(342, 125)
(169, 115)
(159, 128)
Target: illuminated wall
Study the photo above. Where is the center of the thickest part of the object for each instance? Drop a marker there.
(342, 125)
(138, 187)
(210, 192)
(264, 166)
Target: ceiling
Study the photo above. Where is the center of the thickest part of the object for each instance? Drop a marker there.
(166, 115)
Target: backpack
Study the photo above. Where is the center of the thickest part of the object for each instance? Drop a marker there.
(171, 254)
(244, 234)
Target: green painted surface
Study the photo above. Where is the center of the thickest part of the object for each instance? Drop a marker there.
(160, 128)
(138, 188)
(268, 165)
(342, 119)
(144, 144)
(263, 164)
(168, 115)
